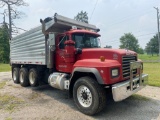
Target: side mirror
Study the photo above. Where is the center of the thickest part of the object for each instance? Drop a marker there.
(51, 39)
(78, 51)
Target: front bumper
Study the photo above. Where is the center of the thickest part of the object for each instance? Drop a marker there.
(122, 90)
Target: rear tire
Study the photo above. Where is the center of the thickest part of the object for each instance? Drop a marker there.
(23, 77)
(33, 77)
(15, 75)
(89, 96)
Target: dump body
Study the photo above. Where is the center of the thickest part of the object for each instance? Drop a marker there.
(28, 48)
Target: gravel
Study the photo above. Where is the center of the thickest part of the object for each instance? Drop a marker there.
(47, 103)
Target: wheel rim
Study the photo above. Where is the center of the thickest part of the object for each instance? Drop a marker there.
(21, 77)
(84, 96)
(31, 78)
(14, 75)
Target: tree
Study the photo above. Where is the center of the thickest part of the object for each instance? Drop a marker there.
(82, 16)
(12, 12)
(128, 41)
(4, 44)
(140, 51)
(152, 46)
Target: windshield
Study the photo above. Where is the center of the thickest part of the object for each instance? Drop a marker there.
(83, 40)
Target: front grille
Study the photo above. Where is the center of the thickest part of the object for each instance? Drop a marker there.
(126, 65)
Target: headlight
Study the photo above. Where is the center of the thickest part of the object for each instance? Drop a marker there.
(114, 72)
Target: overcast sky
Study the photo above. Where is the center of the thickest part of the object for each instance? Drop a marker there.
(113, 17)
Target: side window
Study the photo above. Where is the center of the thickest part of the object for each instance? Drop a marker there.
(62, 39)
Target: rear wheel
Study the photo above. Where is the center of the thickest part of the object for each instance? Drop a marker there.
(33, 77)
(89, 96)
(23, 77)
(15, 75)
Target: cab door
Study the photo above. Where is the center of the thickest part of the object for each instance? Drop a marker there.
(60, 52)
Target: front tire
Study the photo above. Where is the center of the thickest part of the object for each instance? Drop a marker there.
(23, 77)
(33, 77)
(15, 75)
(89, 96)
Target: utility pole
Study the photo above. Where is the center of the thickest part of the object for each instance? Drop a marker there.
(158, 29)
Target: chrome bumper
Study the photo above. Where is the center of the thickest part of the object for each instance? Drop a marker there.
(121, 91)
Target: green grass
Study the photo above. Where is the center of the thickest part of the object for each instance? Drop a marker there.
(9, 103)
(2, 84)
(139, 97)
(153, 69)
(5, 67)
(145, 57)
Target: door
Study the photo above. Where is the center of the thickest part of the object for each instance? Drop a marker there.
(60, 52)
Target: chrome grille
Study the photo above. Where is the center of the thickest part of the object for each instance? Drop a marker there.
(126, 65)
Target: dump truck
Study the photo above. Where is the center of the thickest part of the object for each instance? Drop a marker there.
(66, 54)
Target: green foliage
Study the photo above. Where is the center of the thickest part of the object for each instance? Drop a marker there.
(5, 67)
(152, 46)
(82, 16)
(140, 51)
(128, 41)
(4, 44)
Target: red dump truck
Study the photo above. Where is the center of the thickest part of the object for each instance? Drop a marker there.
(67, 55)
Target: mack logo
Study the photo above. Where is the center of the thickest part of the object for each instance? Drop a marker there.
(115, 56)
(129, 53)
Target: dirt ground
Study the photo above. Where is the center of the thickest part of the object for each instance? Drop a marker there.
(47, 103)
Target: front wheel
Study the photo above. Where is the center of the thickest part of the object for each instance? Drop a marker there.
(89, 96)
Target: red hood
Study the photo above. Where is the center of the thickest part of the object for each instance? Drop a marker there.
(113, 54)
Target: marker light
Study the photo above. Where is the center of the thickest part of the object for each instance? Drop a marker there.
(102, 58)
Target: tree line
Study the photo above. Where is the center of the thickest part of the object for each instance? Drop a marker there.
(129, 41)
(4, 44)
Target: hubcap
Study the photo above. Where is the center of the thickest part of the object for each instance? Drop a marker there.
(21, 77)
(84, 96)
(31, 78)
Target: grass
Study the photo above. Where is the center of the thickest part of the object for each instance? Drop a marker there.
(5, 67)
(9, 103)
(2, 84)
(153, 69)
(145, 57)
(34, 95)
(8, 118)
(139, 97)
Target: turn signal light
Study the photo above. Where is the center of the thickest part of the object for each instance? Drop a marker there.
(102, 58)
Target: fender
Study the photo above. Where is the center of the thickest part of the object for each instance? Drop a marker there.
(100, 69)
(83, 70)
(88, 70)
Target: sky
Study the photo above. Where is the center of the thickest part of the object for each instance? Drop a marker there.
(113, 17)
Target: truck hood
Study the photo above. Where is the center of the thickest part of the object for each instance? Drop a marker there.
(112, 54)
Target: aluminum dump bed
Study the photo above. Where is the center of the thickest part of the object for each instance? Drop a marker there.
(31, 48)
(28, 48)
